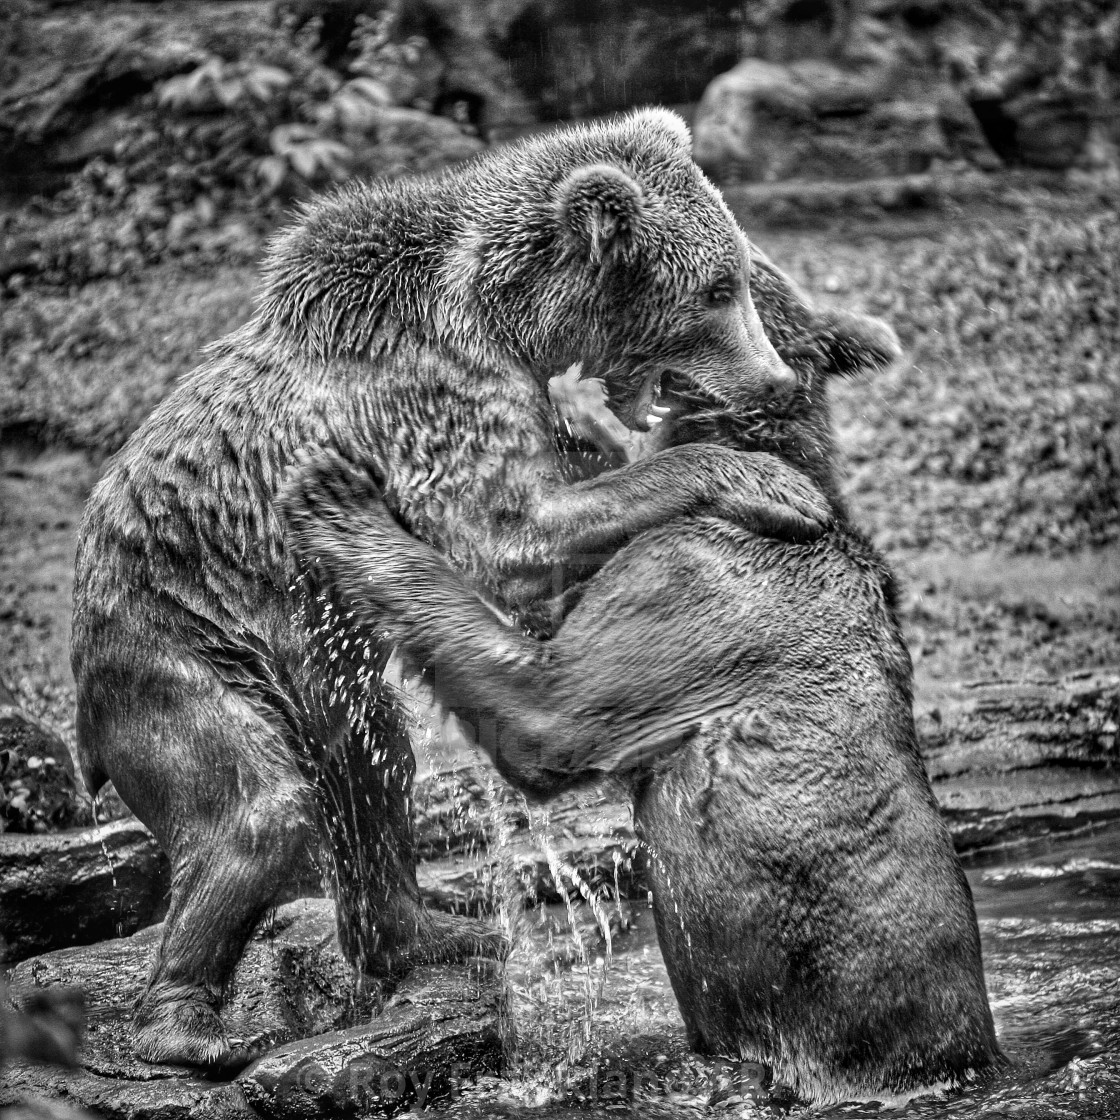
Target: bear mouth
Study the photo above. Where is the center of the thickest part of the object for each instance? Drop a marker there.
(651, 404)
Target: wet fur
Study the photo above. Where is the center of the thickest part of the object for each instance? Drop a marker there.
(810, 907)
(410, 327)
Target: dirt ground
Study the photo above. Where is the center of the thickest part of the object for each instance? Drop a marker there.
(979, 602)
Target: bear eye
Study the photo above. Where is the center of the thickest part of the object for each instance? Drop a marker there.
(722, 292)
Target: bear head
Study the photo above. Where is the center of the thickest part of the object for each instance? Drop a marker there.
(818, 344)
(609, 240)
(602, 240)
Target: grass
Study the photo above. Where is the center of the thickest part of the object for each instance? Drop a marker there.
(1002, 429)
(82, 368)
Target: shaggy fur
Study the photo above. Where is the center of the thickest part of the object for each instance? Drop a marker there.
(410, 326)
(810, 907)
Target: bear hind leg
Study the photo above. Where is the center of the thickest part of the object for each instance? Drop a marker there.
(218, 786)
(365, 799)
(221, 890)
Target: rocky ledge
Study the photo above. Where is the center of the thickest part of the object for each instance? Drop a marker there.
(335, 1048)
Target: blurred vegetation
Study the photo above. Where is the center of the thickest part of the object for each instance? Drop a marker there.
(1002, 428)
(210, 160)
(37, 795)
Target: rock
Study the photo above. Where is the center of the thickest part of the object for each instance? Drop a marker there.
(814, 119)
(292, 981)
(441, 1027)
(294, 987)
(73, 71)
(580, 60)
(583, 839)
(29, 1089)
(75, 887)
(100, 138)
(1015, 759)
(794, 201)
(735, 115)
(1049, 131)
(829, 92)
(543, 869)
(38, 1108)
(410, 141)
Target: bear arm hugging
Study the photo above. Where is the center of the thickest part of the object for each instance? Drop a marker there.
(481, 480)
(536, 717)
(336, 518)
(810, 908)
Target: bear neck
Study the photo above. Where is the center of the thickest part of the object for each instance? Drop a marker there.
(804, 441)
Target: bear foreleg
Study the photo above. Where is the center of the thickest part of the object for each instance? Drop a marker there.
(527, 701)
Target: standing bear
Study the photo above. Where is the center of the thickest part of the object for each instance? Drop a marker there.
(411, 327)
(810, 907)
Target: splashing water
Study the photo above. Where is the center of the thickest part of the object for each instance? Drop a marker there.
(606, 1036)
(118, 900)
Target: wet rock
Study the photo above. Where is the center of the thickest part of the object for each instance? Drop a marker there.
(543, 870)
(441, 1027)
(1014, 759)
(292, 981)
(292, 984)
(581, 843)
(29, 1090)
(76, 887)
(39, 1108)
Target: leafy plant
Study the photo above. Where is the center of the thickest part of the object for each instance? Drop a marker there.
(217, 84)
(303, 149)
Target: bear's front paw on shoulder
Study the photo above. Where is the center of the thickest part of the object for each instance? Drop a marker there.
(778, 501)
(324, 491)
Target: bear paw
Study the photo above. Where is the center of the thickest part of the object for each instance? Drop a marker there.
(189, 1032)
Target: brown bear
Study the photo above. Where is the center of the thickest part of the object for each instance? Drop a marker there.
(412, 326)
(811, 910)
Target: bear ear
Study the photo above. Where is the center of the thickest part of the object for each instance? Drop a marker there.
(671, 125)
(844, 343)
(600, 208)
(856, 343)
